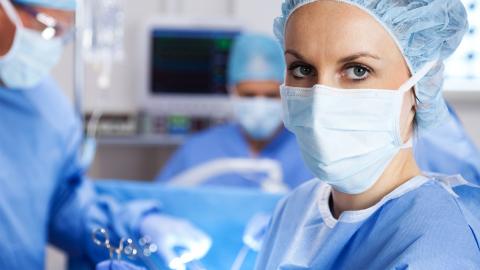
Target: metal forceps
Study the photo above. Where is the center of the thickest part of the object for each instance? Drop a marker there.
(126, 246)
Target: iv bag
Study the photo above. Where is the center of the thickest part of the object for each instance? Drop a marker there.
(103, 36)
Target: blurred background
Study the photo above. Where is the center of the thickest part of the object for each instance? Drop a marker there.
(124, 152)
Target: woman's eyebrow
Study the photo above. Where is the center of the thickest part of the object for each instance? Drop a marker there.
(343, 60)
(356, 56)
(295, 53)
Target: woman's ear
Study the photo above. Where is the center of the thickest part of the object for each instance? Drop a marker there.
(407, 115)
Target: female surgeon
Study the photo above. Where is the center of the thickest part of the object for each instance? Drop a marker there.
(363, 78)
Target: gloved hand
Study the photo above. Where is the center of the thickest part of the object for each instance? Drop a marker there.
(178, 241)
(117, 265)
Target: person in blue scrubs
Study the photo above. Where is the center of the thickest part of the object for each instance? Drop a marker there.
(256, 70)
(363, 78)
(44, 195)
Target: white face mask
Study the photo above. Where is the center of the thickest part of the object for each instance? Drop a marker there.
(31, 57)
(259, 117)
(347, 136)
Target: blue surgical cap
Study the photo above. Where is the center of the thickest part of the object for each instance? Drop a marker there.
(256, 57)
(56, 4)
(424, 30)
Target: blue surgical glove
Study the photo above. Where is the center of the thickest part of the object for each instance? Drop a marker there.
(117, 265)
(178, 241)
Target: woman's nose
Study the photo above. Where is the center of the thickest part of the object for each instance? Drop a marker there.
(327, 78)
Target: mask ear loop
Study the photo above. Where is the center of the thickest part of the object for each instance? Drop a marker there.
(417, 76)
(409, 84)
(11, 13)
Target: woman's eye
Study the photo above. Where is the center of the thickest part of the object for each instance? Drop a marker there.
(301, 71)
(357, 73)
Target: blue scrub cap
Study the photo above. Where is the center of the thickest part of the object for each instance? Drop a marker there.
(424, 30)
(56, 4)
(256, 57)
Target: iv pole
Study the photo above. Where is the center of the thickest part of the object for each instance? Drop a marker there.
(79, 66)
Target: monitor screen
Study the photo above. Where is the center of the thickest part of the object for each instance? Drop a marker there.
(189, 62)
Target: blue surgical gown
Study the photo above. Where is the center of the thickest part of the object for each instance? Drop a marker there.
(44, 196)
(227, 141)
(422, 224)
(448, 149)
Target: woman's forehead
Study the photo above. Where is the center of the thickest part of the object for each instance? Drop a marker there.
(335, 28)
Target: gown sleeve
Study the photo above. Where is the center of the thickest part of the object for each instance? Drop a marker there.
(76, 209)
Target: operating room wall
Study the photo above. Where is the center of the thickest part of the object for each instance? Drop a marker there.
(140, 162)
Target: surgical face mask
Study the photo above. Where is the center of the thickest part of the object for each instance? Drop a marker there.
(30, 58)
(347, 136)
(259, 117)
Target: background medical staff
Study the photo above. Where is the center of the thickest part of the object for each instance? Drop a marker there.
(255, 73)
(44, 196)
